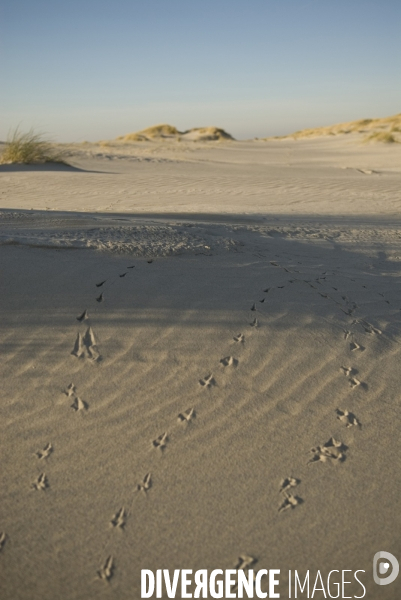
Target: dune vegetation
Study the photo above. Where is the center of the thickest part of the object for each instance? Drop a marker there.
(377, 130)
(29, 148)
(164, 131)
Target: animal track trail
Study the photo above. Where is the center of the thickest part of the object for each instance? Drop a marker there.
(3, 539)
(187, 416)
(145, 485)
(119, 519)
(47, 450)
(83, 317)
(239, 338)
(229, 361)
(100, 298)
(208, 381)
(254, 323)
(347, 418)
(253, 307)
(161, 441)
(333, 450)
(106, 571)
(41, 483)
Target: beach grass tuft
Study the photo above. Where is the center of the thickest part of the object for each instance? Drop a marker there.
(386, 137)
(29, 148)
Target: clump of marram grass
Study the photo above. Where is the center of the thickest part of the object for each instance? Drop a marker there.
(29, 148)
(386, 137)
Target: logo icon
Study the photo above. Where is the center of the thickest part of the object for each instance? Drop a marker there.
(385, 563)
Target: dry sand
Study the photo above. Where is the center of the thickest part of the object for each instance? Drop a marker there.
(184, 327)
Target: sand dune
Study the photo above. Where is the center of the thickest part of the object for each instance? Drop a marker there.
(160, 132)
(385, 129)
(200, 354)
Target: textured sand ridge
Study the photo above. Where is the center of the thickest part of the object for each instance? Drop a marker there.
(200, 364)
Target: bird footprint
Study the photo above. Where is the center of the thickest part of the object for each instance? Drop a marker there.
(239, 338)
(145, 484)
(47, 450)
(106, 571)
(290, 501)
(83, 317)
(187, 416)
(79, 404)
(41, 483)
(88, 343)
(288, 482)
(161, 441)
(331, 450)
(245, 562)
(118, 519)
(207, 381)
(70, 391)
(354, 346)
(348, 418)
(229, 361)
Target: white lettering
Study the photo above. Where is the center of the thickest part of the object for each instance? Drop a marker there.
(145, 575)
(158, 583)
(360, 582)
(201, 583)
(171, 588)
(185, 582)
(301, 587)
(321, 589)
(344, 582)
(243, 582)
(212, 584)
(229, 583)
(273, 583)
(258, 577)
(335, 584)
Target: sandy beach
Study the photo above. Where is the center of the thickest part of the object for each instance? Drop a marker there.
(200, 363)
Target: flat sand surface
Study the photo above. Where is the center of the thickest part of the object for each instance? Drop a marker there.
(200, 361)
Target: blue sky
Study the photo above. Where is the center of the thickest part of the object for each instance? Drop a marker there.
(92, 69)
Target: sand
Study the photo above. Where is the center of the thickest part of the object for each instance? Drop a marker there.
(185, 327)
